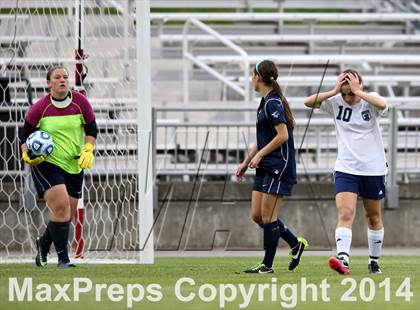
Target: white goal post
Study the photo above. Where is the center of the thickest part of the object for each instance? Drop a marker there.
(145, 131)
(118, 190)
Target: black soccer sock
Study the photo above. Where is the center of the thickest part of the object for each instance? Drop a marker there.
(287, 235)
(271, 239)
(59, 232)
(46, 241)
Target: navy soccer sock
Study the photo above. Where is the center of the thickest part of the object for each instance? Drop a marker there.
(287, 235)
(271, 239)
(59, 232)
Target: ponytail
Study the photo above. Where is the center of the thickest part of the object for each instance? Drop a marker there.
(267, 70)
(290, 122)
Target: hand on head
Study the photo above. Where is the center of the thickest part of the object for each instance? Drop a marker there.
(340, 81)
(353, 82)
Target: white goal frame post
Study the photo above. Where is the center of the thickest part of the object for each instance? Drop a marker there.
(145, 142)
(144, 117)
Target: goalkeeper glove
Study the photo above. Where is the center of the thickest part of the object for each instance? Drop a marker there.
(29, 159)
(86, 156)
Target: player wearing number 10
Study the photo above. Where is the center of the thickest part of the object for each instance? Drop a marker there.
(69, 118)
(360, 167)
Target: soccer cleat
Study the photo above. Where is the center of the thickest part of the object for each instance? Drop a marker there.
(339, 265)
(296, 253)
(65, 264)
(373, 267)
(40, 260)
(259, 268)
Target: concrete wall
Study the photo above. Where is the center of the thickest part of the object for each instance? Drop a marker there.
(225, 221)
(183, 222)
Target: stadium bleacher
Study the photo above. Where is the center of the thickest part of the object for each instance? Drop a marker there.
(300, 36)
(279, 38)
(356, 5)
(381, 41)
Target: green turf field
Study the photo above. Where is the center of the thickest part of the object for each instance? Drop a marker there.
(167, 271)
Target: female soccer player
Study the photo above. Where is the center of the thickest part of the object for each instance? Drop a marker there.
(360, 167)
(274, 160)
(68, 117)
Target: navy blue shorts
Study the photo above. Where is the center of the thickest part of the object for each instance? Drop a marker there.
(47, 175)
(370, 187)
(270, 184)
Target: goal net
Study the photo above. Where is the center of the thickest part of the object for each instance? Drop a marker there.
(34, 36)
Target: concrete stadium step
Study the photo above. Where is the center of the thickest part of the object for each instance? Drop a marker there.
(264, 29)
(287, 38)
(355, 5)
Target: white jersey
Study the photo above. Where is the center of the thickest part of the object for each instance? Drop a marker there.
(360, 146)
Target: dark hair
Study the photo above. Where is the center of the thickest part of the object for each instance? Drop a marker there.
(359, 77)
(267, 70)
(52, 69)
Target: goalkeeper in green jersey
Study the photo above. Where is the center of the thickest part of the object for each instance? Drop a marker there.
(69, 118)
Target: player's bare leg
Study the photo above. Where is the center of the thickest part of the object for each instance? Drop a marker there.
(256, 207)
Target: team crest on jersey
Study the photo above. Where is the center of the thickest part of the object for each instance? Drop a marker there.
(366, 115)
(275, 114)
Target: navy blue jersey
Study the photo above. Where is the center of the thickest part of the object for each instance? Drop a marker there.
(280, 162)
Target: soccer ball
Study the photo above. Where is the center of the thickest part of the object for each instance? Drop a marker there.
(40, 143)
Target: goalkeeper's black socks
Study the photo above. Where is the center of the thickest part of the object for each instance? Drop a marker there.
(59, 232)
(46, 241)
(271, 239)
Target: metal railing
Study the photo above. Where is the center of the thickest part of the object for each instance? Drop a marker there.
(240, 83)
(188, 56)
(179, 145)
